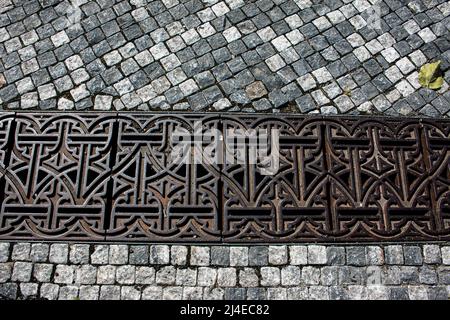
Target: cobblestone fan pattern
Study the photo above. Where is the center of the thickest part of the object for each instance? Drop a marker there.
(321, 56)
(110, 177)
(83, 271)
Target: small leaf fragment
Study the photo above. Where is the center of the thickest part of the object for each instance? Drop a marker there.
(430, 76)
(436, 84)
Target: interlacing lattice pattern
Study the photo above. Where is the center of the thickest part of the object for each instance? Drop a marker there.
(109, 176)
(306, 56)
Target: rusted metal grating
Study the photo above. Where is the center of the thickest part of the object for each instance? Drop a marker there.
(107, 177)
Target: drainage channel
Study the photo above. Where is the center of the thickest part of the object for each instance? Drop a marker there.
(230, 178)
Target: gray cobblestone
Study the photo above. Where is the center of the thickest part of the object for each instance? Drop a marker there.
(277, 293)
(43, 272)
(444, 275)
(106, 274)
(393, 254)
(172, 293)
(89, 292)
(417, 293)
(270, 276)
(437, 293)
(68, 293)
(297, 293)
(152, 293)
(109, 292)
(298, 255)
(339, 273)
(329, 276)
(317, 254)
(291, 276)
(206, 276)
(64, 274)
(352, 275)
(139, 255)
(310, 275)
(432, 254)
(5, 272)
(29, 290)
(238, 256)
(258, 256)
(130, 293)
(125, 274)
(428, 275)
(22, 271)
(200, 256)
(377, 292)
(374, 275)
(409, 275)
(445, 255)
(278, 255)
(21, 252)
(399, 293)
(79, 254)
(226, 277)
(166, 275)
(213, 293)
(159, 254)
(256, 294)
(86, 274)
(100, 254)
(248, 278)
(4, 251)
(39, 252)
(145, 275)
(375, 255)
(59, 253)
(356, 256)
(118, 254)
(49, 291)
(179, 255)
(220, 256)
(192, 293)
(186, 277)
(413, 255)
(335, 255)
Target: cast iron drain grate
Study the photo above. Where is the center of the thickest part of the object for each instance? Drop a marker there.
(111, 177)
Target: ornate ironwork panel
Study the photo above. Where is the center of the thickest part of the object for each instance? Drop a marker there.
(290, 204)
(6, 121)
(6, 138)
(156, 196)
(56, 177)
(341, 179)
(435, 146)
(203, 178)
(380, 183)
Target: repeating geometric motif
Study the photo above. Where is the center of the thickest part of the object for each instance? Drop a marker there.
(112, 177)
(155, 197)
(342, 179)
(293, 203)
(55, 186)
(381, 181)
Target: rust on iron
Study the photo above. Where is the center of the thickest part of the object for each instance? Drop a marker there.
(109, 177)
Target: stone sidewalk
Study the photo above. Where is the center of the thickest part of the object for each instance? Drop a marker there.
(152, 272)
(321, 56)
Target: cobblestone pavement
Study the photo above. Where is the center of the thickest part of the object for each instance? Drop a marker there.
(327, 56)
(82, 271)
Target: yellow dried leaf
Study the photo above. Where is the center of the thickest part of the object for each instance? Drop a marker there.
(430, 76)
(436, 84)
